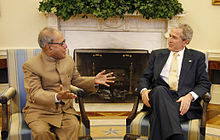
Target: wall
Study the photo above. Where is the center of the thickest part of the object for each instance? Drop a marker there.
(205, 20)
(20, 23)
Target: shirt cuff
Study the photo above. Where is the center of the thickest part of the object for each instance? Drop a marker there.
(143, 90)
(195, 96)
(56, 100)
(96, 85)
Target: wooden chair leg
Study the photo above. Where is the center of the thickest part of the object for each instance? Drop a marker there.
(85, 138)
(131, 137)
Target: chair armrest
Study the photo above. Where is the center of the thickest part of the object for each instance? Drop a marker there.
(133, 113)
(10, 93)
(206, 98)
(80, 93)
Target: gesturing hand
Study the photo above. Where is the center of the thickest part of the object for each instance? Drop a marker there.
(65, 94)
(185, 103)
(102, 78)
(145, 97)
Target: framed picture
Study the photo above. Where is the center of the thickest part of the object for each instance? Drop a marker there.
(215, 2)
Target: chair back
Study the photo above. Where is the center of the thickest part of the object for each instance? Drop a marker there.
(15, 59)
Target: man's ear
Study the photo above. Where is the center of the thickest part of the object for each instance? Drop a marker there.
(186, 42)
(47, 47)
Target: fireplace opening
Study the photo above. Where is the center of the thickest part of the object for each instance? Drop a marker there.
(126, 64)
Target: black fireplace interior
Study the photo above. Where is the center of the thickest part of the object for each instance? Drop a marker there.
(127, 66)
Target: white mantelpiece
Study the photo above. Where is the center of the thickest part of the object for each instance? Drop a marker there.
(132, 32)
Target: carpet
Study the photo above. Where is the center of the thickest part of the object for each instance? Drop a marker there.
(114, 128)
(108, 128)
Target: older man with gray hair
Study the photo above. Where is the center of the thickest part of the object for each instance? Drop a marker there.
(47, 80)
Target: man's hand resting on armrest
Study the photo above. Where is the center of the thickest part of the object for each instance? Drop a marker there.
(185, 102)
(145, 97)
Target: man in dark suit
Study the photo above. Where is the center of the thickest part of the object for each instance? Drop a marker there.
(172, 91)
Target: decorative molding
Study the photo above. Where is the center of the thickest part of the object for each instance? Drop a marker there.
(129, 23)
(132, 23)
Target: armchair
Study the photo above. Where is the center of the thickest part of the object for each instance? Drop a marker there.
(137, 124)
(16, 128)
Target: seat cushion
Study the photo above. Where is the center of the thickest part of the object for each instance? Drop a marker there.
(20, 130)
(141, 126)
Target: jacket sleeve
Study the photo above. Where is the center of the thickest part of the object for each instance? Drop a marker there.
(84, 82)
(146, 77)
(202, 83)
(35, 93)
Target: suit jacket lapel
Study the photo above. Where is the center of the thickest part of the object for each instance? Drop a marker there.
(186, 64)
(162, 60)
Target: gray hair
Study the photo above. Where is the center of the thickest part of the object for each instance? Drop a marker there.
(187, 31)
(46, 36)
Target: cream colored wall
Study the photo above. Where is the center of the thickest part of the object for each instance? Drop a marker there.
(205, 20)
(20, 23)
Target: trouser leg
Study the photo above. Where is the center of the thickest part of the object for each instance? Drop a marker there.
(69, 129)
(41, 131)
(164, 120)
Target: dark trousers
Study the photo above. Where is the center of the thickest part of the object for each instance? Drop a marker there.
(165, 117)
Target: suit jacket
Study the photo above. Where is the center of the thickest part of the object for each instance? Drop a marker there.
(42, 78)
(193, 76)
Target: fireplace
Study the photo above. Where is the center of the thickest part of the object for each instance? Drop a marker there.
(131, 32)
(126, 64)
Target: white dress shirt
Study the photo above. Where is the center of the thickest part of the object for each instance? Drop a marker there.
(166, 69)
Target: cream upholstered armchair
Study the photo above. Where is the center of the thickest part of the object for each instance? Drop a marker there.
(137, 124)
(16, 128)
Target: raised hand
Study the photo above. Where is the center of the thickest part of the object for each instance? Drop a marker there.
(102, 78)
(65, 94)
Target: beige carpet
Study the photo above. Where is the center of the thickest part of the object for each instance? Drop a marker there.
(113, 128)
(104, 128)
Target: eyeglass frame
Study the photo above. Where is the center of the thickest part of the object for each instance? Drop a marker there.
(61, 44)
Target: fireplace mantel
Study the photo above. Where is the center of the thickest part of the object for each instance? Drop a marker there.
(132, 32)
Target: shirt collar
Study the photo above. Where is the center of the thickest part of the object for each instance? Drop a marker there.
(180, 53)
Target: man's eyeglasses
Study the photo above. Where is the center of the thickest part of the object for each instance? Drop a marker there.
(61, 44)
